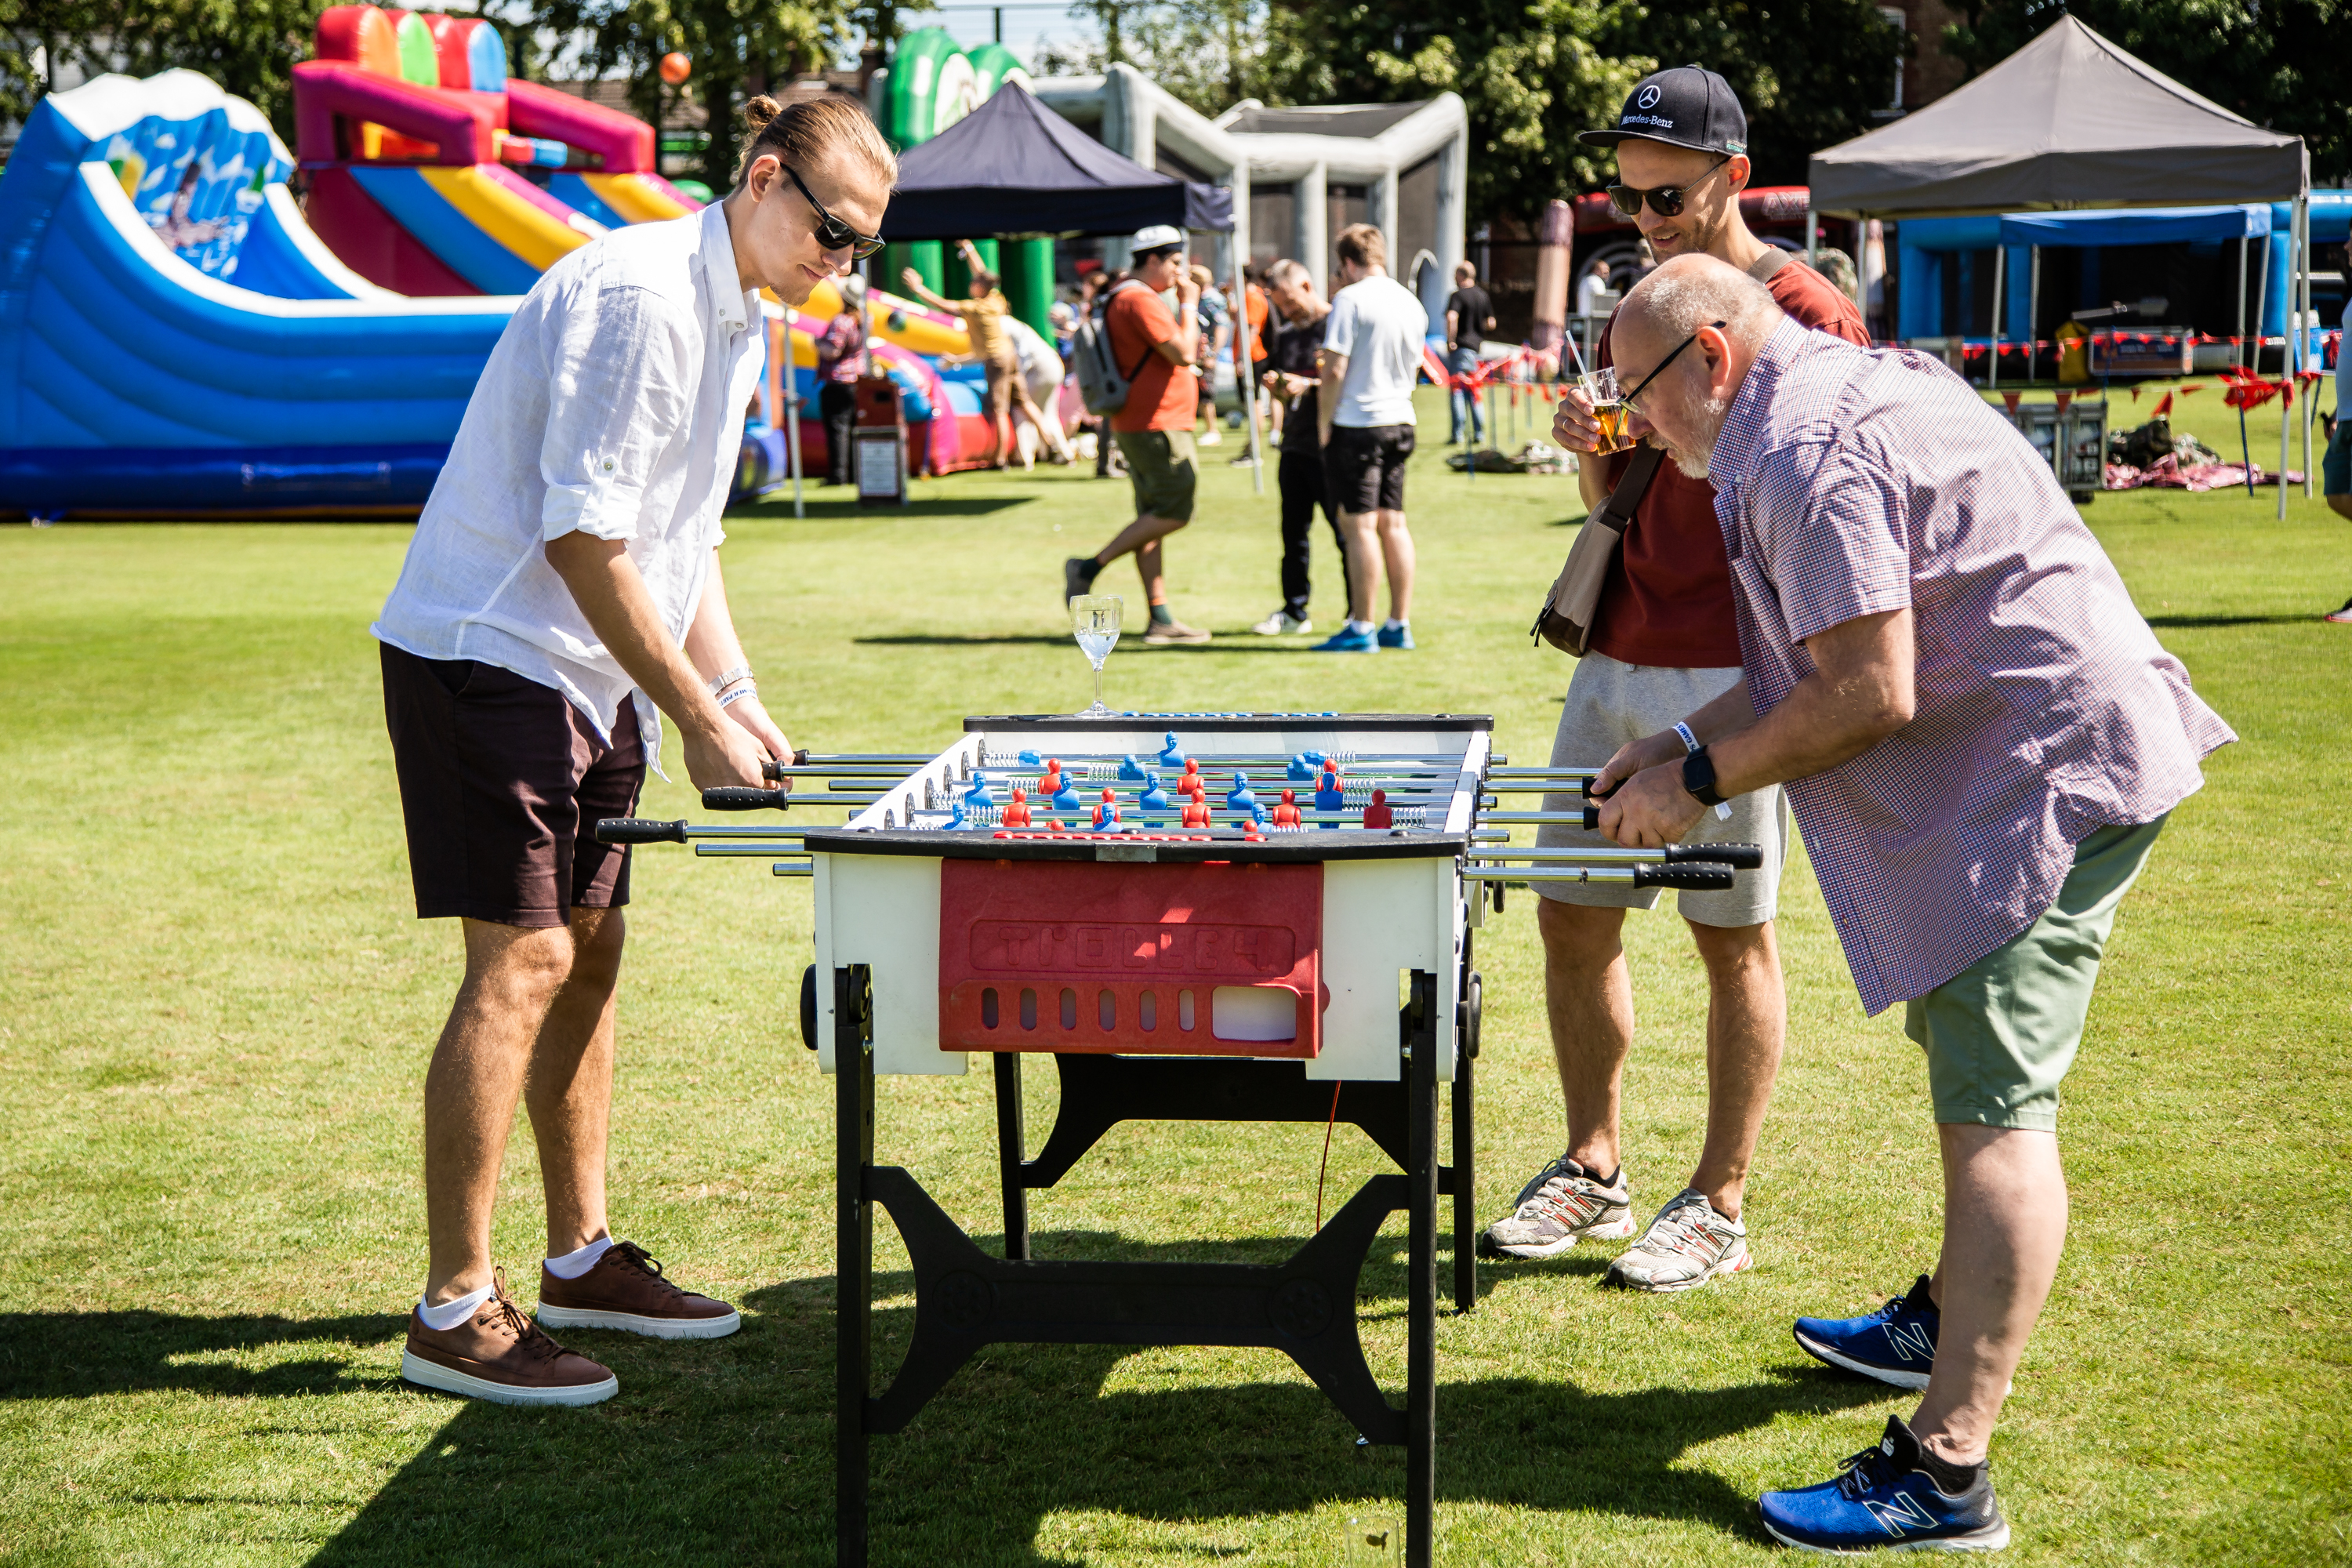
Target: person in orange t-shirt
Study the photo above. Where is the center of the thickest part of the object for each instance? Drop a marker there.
(1154, 429)
(1663, 643)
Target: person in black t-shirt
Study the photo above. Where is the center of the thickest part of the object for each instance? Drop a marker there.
(1291, 375)
(1469, 317)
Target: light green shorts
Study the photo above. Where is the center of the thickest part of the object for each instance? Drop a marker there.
(2002, 1032)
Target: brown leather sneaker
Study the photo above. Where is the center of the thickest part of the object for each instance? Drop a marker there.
(504, 1357)
(627, 1290)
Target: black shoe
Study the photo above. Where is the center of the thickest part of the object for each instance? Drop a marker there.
(1078, 575)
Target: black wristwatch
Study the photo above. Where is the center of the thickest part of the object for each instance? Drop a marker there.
(1699, 777)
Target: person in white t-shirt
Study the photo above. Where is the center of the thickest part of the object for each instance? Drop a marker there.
(561, 593)
(1372, 344)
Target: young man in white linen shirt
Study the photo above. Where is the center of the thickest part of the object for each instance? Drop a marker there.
(562, 592)
(1372, 344)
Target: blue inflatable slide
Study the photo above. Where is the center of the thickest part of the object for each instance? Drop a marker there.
(175, 341)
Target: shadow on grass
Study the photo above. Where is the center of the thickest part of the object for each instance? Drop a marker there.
(722, 1451)
(769, 509)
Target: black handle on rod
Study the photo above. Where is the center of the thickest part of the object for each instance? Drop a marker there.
(737, 798)
(1694, 878)
(640, 830)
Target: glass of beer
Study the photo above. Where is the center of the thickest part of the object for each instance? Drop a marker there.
(1608, 409)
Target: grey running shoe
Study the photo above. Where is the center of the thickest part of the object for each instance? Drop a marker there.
(1686, 1245)
(1564, 1204)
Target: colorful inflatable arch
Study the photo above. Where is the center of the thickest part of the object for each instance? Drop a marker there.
(175, 339)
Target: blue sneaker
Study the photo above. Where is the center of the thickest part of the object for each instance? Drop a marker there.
(1396, 636)
(1886, 1498)
(1895, 1344)
(1347, 641)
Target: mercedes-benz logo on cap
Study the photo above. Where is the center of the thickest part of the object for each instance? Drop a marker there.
(1647, 98)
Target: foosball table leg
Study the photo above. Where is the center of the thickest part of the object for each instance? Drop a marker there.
(853, 1075)
(1421, 1264)
(1465, 1123)
(1010, 1145)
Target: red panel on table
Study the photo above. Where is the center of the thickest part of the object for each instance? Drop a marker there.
(1056, 955)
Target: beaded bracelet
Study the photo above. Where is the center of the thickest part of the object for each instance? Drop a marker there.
(727, 678)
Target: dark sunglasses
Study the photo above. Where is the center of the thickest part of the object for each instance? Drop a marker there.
(831, 232)
(1686, 342)
(1666, 201)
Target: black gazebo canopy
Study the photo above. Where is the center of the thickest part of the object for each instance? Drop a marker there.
(1013, 166)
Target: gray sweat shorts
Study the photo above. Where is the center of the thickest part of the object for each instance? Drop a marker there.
(1610, 703)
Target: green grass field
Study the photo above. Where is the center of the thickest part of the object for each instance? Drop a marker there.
(216, 1011)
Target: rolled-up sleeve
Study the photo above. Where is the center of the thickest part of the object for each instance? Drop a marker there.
(620, 385)
(1835, 537)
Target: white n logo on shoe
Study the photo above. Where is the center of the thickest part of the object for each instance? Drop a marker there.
(1911, 1341)
(1897, 1512)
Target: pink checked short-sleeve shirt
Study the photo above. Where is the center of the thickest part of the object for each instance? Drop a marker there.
(1855, 481)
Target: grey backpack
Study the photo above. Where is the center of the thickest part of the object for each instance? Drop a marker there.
(1102, 383)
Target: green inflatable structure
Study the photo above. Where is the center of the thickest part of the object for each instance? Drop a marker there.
(933, 82)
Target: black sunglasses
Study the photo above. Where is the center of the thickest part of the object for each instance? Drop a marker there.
(1666, 201)
(831, 232)
(1646, 381)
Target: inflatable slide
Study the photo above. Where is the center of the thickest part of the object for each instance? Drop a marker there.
(176, 341)
(432, 172)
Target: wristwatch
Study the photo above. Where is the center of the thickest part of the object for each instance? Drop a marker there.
(1698, 776)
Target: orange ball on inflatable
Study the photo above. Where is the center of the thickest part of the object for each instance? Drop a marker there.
(676, 68)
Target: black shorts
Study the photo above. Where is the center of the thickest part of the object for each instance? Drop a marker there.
(1365, 467)
(501, 783)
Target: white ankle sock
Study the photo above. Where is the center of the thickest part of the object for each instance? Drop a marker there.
(573, 1265)
(450, 1314)
(1393, 624)
(1357, 625)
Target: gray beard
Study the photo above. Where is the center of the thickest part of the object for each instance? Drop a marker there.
(1694, 463)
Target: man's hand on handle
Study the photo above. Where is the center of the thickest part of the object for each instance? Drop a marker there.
(734, 749)
(1647, 807)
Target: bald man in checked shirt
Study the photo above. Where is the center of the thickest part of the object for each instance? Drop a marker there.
(1980, 739)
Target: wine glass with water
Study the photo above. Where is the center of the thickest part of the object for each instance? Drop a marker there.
(1093, 621)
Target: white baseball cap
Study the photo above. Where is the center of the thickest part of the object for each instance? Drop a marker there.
(1159, 236)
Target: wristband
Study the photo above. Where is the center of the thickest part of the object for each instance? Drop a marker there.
(727, 678)
(1690, 741)
(745, 687)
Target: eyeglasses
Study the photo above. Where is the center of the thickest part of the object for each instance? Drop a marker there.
(1646, 381)
(831, 232)
(1666, 201)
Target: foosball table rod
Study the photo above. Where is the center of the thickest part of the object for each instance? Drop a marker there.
(1691, 878)
(1738, 857)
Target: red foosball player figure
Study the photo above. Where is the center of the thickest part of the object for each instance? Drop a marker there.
(1107, 814)
(1376, 815)
(1286, 813)
(1016, 811)
(1191, 783)
(1196, 812)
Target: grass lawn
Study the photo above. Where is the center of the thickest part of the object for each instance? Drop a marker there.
(216, 1011)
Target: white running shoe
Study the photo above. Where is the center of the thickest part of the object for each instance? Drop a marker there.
(1686, 1245)
(1282, 623)
(1564, 1204)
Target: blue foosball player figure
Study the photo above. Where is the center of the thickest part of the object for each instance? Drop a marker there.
(1153, 797)
(1330, 794)
(1172, 754)
(1107, 814)
(1239, 797)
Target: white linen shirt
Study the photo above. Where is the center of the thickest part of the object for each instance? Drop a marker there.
(613, 405)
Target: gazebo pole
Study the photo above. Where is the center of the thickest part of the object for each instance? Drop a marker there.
(792, 400)
(2000, 287)
(2286, 351)
(2032, 312)
(2303, 335)
(2239, 348)
(1812, 257)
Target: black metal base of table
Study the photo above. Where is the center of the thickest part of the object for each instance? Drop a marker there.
(1305, 1305)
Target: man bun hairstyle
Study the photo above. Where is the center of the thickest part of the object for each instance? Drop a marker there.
(1361, 244)
(808, 133)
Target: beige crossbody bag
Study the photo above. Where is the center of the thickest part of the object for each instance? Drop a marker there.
(1566, 619)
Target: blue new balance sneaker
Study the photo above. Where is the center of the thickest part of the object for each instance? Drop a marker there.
(1398, 636)
(1895, 1344)
(1889, 1501)
(1347, 640)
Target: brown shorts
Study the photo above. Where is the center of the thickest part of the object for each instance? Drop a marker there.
(502, 781)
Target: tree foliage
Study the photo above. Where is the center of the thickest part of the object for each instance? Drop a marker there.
(2285, 64)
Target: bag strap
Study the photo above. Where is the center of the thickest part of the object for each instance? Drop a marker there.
(1631, 485)
(1771, 261)
(1115, 289)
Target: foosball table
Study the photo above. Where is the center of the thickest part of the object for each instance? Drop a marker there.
(1236, 916)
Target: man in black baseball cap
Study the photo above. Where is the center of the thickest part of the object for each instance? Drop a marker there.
(1664, 625)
